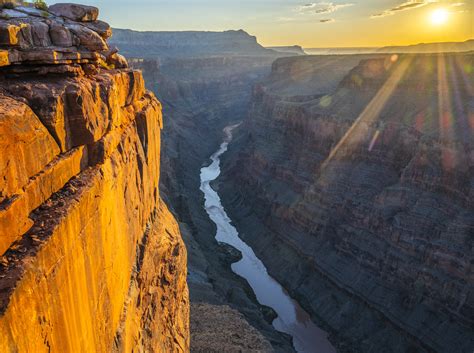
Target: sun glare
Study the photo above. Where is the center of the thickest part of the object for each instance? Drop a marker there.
(439, 16)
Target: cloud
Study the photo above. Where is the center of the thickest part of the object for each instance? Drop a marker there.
(286, 19)
(322, 7)
(408, 5)
(327, 20)
(456, 5)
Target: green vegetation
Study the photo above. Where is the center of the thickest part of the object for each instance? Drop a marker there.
(106, 66)
(41, 5)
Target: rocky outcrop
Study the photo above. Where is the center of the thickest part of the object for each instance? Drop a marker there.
(358, 198)
(67, 39)
(218, 328)
(91, 260)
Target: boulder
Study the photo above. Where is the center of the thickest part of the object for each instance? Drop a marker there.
(75, 12)
(101, 27)
(60, 35)
(87, 37)
(40, 34)
(118, 61)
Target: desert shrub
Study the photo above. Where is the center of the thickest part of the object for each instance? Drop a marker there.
(40, 4)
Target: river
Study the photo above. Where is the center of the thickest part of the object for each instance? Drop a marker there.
(292, 319)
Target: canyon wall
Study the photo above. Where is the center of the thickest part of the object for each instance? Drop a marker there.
(356, 190)
(91, 260)
(201, 95)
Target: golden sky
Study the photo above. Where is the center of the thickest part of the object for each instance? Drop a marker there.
(336, 23)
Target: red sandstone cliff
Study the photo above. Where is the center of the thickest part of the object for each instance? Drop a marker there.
(91, 260)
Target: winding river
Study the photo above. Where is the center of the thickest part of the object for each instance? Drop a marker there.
(292, 319)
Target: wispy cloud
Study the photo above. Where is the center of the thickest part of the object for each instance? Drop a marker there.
(327, 20)
(457, 5)
(286, 19)
(407, 5)
(323, 7)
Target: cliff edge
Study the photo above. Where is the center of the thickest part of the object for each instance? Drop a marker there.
(91, 260)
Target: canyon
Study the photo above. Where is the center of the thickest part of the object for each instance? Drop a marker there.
(299, 166)
(91, 259)
(196, 191)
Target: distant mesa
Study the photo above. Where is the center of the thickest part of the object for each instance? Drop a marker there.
(187, 43)
(294, 49)
(445, 47)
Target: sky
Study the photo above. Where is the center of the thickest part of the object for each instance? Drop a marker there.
(311, 24)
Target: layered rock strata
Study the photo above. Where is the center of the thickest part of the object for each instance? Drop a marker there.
(358, 197)
(91, 260)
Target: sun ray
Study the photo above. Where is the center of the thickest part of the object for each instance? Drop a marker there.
(371, 112)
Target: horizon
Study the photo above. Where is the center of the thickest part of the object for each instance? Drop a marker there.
(317, 24)
(283, 45)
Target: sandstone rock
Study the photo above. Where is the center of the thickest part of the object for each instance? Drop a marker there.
(42, 38)
(14, 216)
(40, 34)
(75, 12)
(218, 328)
(87, 37)
(60, 35)
(32, 11)
(8, 33)
(25, 38)
(10, 13)
(100, 27)
(4, 60)
(23, 137)
(91, 260)
(118, 61)
(90, 106)
(106, 229)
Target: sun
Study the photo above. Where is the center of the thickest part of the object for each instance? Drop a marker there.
(439, 16)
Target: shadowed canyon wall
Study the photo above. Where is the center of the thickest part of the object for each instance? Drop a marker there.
(91, 260)
(356, 189)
